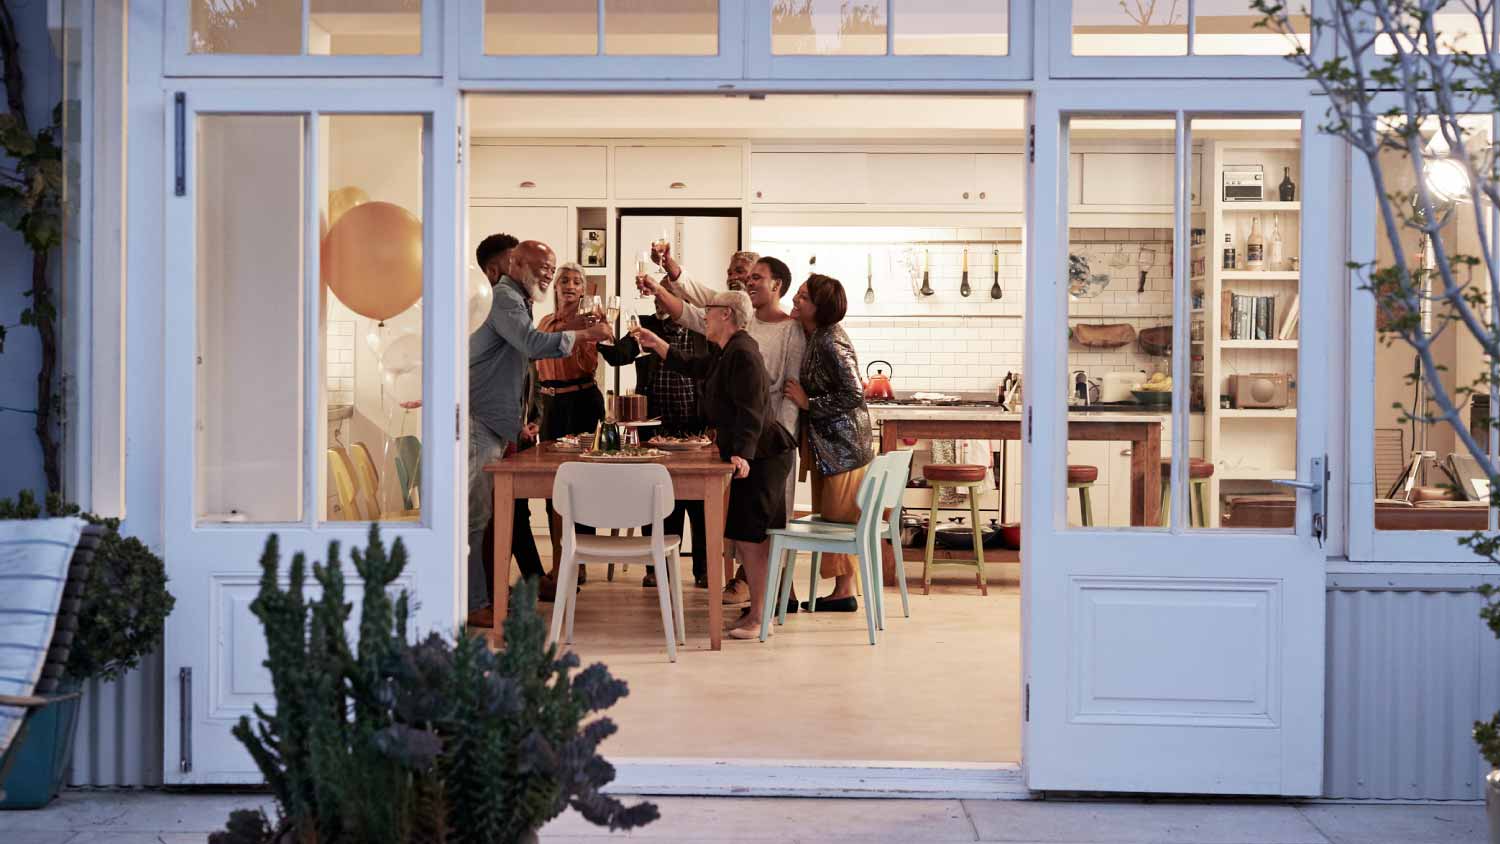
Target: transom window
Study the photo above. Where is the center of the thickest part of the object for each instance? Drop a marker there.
(306, 27)
(601, 27)
(890, 27)
(1177, 28)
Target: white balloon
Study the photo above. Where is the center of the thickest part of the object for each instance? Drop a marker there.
(373, 341)
(408, 387)
(481, 294)
(408, 321)
(402, 353)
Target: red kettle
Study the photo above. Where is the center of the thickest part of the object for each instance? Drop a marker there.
(879, 384)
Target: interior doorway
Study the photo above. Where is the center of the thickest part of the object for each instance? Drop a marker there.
(916, 204)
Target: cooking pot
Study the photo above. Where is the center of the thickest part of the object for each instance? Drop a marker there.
(957, 536)
(879, 384)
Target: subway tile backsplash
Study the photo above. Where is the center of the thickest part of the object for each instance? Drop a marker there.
(949, 343)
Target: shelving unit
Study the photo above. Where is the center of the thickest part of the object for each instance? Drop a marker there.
(1250, 447)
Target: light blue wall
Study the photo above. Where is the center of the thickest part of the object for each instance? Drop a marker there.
(20, 456)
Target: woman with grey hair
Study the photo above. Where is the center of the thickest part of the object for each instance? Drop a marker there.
(736, 402)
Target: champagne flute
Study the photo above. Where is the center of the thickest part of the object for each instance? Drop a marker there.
(611, 308)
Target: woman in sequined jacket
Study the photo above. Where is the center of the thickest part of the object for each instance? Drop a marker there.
(836, 439)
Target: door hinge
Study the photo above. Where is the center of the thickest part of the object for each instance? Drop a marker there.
(460, 144)
(1028, 423)
(458, 410)
(1026, 705)
(179, 140)
(1031, 143)
(185, 720)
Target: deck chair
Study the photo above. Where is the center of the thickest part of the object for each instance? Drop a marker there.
(46, 566)
(409, 470)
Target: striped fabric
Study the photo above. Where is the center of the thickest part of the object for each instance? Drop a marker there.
(34, 559)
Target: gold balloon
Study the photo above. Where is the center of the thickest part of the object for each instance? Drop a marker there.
(372, 260)
(341, 200)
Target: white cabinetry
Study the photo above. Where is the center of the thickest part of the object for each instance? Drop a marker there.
(809, 177)
(922, 178)
(516, 171)
(678, 172)
(1131, 179)
(1001, 178)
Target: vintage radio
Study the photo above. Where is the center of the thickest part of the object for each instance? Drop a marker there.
(1244, 183)
(1260, 389)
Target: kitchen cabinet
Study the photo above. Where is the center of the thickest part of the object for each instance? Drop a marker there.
(1001, 179)
(1133, 179)
(678, 172)
(809, 177)
(1075, 179)
(923, 179)
(515, 171)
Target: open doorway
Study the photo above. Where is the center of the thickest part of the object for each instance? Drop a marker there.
(916, 205)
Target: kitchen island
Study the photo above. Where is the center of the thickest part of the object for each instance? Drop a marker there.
(968, 422)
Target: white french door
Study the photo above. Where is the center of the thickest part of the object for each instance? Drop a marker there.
(313, 349)
(1184, 655)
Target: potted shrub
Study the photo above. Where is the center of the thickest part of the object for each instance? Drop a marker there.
(124, 612)
(384, 740)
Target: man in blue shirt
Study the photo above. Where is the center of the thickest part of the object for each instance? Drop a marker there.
(498, 356)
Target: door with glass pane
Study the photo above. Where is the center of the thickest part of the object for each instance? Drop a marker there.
(313, 351)
(1177, 383)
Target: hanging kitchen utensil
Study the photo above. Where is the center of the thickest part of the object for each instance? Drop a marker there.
(1144, 262)
(927, 272)
(1156, 341)
(963, 286)
(869, 278)
(995, 291)
(1107, 336)
(879, 384)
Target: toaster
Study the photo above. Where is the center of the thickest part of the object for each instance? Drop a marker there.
(1116, 386)
(1260, 389)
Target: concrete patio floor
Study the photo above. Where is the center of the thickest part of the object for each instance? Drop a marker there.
(146, 817)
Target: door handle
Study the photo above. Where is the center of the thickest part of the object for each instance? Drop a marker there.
(1317, 490)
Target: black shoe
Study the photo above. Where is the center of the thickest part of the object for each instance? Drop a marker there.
(846, 604)
(583, 575)
(791, 605)
(649, 581)
(700, 581)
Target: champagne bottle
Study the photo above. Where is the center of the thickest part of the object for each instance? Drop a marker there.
(1274, 245)
(1288, 187)
(1255, 247)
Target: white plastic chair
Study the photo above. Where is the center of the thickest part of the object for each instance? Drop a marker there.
(608, 497)
(861, 539)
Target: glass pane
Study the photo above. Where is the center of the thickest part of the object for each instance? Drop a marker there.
(250, 349)
(952, 27)
(372, 326)
(1113, 28)
(1227, 27)
(1120, 294)
(261, 27)
(541, 27)
(1457, 32)
(828, 27)
(1246, 285)
(365, 28)
(1425, 476)
(661, 27)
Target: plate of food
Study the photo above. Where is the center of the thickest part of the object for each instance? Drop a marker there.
(569, 443)
(679, 443)
(625, 455)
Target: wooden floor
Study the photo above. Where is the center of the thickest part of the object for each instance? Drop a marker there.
(941, 686)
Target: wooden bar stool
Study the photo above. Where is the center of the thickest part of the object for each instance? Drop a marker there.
(1199, 471)
(1082, 479)
(954, 476)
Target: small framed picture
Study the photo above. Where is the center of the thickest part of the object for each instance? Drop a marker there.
(591, 247)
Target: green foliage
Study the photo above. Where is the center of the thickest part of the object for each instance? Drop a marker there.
(387, 741)
(126, 602)
(31, 199)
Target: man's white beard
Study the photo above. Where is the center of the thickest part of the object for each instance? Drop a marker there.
(533, 289)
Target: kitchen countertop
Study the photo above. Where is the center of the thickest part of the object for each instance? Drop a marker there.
(880, 412)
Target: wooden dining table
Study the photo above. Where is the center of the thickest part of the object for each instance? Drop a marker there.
(697, 474)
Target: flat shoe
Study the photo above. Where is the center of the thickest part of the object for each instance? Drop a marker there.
(700, 581)
(649, 581)
(744, 632)
(737, 592)
(845, 604)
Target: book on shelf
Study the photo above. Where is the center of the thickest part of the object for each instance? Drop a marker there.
(1288, 329)
(1250, 317)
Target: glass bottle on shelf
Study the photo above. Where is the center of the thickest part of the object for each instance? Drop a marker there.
(1287, 187)
(1255, 247)
(1274, 245)
(1229, 253)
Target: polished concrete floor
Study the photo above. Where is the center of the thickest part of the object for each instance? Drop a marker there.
(940, 686)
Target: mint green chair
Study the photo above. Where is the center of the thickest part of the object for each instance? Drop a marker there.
(861, 540)
(409, 469)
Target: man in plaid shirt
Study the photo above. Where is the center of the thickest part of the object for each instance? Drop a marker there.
(672, 397)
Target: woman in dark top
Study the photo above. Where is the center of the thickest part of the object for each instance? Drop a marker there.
(836, 438)
(735, 402)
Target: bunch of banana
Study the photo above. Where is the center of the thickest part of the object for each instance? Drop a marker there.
(1158, 383)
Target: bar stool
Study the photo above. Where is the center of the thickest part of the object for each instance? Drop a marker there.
(1199, 471)
(954, 476)
(1082, 479)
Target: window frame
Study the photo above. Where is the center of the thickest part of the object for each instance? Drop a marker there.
(1366, 543)
(1063, 64)
(1015, 65)
(475, 64)
(177, 60)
